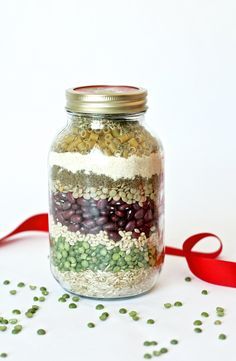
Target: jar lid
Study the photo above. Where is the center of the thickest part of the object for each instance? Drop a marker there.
(106, 99)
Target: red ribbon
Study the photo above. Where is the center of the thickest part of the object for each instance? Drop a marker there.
(203, 265)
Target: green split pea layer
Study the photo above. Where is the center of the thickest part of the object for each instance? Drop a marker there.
(81, 256)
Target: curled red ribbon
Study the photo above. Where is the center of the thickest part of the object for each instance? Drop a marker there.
(205, 266)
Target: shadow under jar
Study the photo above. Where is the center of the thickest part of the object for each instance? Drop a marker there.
(106, 195)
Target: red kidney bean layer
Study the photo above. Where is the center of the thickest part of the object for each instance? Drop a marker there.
(92, 216)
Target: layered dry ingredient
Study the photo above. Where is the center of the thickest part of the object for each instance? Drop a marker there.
(105, 228)
(119, 138)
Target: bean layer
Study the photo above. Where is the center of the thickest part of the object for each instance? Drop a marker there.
(92, 216)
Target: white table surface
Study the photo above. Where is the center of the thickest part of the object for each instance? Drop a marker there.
(118, 338)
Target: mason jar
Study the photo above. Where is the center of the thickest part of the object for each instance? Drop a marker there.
(106, 195)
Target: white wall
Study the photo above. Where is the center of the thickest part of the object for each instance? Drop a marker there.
(184, 52)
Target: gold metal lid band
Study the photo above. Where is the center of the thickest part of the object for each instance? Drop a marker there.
(106, 99)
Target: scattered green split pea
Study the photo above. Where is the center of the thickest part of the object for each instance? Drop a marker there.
(99, 307)
(33, 288)
(29, 314)
(157, 353)
(13, 321)
(133, 313)
(188, 279)
(147, 355)
(16, 312)
(16, 329)
(123, 310)
(91, 325)
(220, 311)
(65, 295)
(150, 321)
(150, 343)
(3, 355)
(36, 307)
(13, 292)
(72, 305)
(42, 289)
(153, 343)
(41, 331)
(104, 316)
(178, 304)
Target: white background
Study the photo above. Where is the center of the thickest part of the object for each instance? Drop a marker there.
(184, 53)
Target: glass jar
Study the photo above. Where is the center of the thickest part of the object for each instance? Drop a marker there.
(106, 195)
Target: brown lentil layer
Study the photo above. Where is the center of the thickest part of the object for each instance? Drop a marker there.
(96, 186)
(119, 138)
